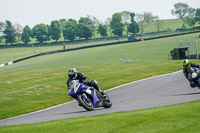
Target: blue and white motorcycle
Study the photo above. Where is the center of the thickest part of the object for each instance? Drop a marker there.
(87, 97)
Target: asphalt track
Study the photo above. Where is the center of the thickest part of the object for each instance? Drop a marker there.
(151, 92)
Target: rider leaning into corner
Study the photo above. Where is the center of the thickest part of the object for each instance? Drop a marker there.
(74, 75)
(187, 68)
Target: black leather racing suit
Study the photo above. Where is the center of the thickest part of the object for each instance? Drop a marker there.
(83, 79)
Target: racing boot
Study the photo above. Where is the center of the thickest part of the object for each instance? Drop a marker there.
(102, 92)
(96, 86)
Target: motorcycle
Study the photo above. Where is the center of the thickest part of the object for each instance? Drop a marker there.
(194, 76)
(87, 97)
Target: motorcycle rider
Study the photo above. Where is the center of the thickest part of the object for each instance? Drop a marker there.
(74, 75)
(186, 68)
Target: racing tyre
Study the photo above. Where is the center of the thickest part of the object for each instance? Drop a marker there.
(106, 102)
(86, 103)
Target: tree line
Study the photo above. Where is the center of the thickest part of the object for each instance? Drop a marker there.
(189, 15)
(87, 27)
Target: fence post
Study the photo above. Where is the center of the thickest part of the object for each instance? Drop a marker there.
(197, 49)
(181, 43)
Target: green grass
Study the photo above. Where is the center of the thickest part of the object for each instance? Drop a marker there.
(180, 118)
(43, 84)
(170, 24)
(12, 54)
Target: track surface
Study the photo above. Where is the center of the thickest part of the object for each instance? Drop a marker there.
(152, 92)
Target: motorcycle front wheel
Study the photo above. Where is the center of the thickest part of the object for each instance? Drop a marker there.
(86, 103)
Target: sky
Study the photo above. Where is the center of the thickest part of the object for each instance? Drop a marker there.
(33, 12)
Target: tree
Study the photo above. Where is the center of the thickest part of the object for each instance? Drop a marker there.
(2, 28)
(133, 27)
(108, 26)
(190, 18)
(19, 30)
(102, 29)
(26, 34)
(197, 15)
(40, 32)
(62, 23)
(144, 20)
(54, 30)
(94, 24)
(158, 23)
(126, 19)
(180, 10)
(84, 29)
(9, 33)
(87, 21)
(70, 31)
(116, 24)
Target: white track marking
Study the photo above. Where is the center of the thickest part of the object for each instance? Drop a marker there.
(143, 80)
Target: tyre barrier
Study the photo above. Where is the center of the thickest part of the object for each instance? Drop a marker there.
(6, 64)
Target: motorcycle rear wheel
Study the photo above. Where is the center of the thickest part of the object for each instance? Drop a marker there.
(87, 104)
(106, 102)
